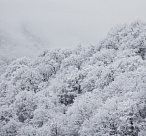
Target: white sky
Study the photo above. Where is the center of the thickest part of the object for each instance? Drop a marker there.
(67, 23)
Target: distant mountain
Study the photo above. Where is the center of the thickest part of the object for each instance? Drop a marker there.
(18, 44)
(32, 38)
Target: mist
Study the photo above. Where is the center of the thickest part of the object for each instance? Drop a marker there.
(63, 24)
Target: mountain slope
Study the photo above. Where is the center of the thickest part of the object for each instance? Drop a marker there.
(98, 90)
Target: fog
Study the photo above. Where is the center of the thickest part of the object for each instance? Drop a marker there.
(62, 23)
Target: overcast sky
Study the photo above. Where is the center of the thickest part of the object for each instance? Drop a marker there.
(67, 23)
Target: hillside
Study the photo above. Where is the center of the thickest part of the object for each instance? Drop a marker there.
(94, 91)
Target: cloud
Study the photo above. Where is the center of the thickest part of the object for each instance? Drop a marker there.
(67, 23)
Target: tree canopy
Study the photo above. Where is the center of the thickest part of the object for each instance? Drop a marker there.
(89, 91)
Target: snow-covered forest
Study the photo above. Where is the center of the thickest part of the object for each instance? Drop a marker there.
(88, 91)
